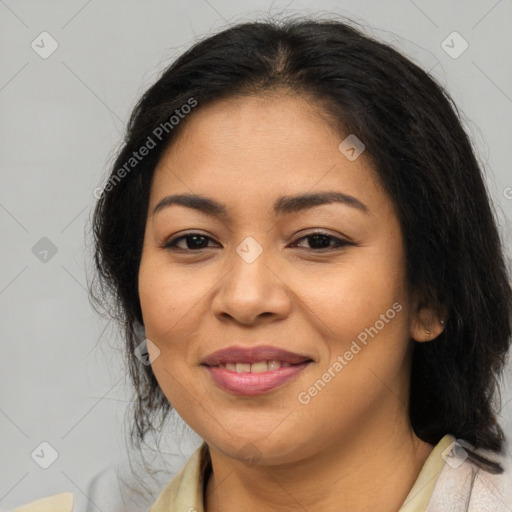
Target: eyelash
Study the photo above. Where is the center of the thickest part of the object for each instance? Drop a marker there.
(171, 243)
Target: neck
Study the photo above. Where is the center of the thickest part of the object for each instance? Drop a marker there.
(371, 471)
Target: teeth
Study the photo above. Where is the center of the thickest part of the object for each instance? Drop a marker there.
(243, 367)
(258, 367)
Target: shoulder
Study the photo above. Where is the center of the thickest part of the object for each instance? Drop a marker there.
(62, 502)
(492, 491)
(469, 483)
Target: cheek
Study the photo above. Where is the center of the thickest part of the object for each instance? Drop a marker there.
(361, 309)
(172, 304)
(166, 296)
(164, 302)
(366, 367)
(345, 299)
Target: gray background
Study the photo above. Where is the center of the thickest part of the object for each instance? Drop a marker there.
(61, 374)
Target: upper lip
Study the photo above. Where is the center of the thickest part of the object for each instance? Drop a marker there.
(239, 354)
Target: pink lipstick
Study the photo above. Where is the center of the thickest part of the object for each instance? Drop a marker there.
(254, 370)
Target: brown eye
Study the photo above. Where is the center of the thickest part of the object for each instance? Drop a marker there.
(193, 241)
(322, 241)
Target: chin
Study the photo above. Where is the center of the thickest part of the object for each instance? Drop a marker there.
(261, 450)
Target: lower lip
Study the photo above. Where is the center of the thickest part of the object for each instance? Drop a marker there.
(254, 383)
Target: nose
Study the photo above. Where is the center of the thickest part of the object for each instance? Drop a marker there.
(252, 291)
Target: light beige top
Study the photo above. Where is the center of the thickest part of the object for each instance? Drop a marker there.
(184, 493)
(62, 502)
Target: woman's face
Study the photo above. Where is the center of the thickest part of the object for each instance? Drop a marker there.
(254, 276)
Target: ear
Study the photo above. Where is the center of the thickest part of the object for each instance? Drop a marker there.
(427, 323)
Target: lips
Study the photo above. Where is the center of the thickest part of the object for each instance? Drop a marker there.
(255, 370)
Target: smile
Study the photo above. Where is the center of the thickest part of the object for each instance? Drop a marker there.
(244, 381)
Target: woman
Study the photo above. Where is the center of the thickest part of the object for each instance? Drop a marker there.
(306, 264)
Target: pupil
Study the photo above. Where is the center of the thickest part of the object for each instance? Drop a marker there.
(195, 241)
(317, 238)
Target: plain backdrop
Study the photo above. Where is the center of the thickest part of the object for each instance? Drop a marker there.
(62, 118)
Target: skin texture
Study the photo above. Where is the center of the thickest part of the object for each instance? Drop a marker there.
(351, 447)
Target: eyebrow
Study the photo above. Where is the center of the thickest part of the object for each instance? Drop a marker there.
(282, 206)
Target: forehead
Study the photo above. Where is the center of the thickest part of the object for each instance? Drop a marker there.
(260, 147)
(258, 125)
